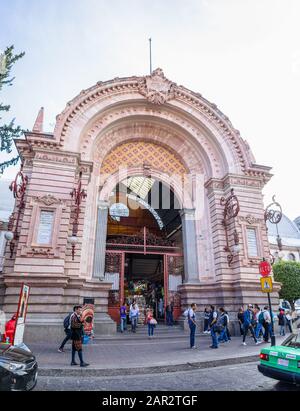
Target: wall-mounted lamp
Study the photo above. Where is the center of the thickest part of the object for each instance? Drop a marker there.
(231, 210)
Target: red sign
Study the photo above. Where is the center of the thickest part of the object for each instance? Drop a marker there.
(265, 268)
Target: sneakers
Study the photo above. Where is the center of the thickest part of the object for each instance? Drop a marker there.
(258, 342)
(84, 364)
(244, 343)
(74, 363)
(213, 346)
(194, 347)
(60, 350)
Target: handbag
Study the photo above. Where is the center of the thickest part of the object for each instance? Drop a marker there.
(153, 321)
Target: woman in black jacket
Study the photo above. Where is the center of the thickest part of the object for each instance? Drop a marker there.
(77, 336)
(240, 317)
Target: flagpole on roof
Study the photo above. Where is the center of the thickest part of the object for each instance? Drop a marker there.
(150, 49)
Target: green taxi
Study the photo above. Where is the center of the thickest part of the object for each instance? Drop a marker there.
(282, 362)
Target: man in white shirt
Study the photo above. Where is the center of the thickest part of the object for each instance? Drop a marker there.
(267, 324)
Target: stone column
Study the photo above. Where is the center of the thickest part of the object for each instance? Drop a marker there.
(100, 240)
(191, 272)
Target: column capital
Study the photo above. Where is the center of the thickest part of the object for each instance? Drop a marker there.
(102, 204)
(187, 212)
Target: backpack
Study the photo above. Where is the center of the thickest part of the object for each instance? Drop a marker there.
(186, 313)
(261, 318)
(67, 321)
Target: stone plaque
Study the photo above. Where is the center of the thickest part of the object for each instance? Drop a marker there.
(45, 227)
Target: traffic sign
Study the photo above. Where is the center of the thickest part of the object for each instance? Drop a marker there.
(266, 284)
(265, 268)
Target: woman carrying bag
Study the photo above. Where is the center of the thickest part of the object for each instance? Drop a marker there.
(151, 321)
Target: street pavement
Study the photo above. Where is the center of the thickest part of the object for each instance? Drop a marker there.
(125, 356)
(239, 377)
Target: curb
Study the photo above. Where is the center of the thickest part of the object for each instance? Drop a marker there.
(103, 372)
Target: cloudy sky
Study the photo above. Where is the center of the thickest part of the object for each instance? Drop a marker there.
(243, 55)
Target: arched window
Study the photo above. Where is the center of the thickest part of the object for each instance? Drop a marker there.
(292, 257)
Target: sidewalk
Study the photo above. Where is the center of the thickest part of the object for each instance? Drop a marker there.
(108, 357)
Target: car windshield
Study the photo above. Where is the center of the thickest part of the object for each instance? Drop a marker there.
(292, 341)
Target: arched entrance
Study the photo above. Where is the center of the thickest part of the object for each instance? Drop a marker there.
(144, 253)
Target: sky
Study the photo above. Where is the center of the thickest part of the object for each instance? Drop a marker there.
(243, 55)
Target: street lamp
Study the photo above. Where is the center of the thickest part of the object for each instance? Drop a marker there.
(273, 214)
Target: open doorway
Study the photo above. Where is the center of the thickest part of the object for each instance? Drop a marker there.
(144, 282)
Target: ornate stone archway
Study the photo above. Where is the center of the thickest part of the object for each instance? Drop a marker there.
(183, 129)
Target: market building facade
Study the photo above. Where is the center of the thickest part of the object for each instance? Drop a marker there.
(144, 190)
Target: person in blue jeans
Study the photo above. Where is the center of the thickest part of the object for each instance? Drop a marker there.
(123, 317)
(223, 322)
(192, 324)
(150, 322)
(133, 317)
(248, 324)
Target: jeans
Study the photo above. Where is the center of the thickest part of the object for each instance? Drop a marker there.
(214, 337)
(282, 330)
(206, 325)
(169, 318)
(246, 328)
(123, 324)
(192, 335)
(223, 335)
(68, 337)
(133, 324)
(288, 323)
(258, 330)
(268, 331)
(150, 329)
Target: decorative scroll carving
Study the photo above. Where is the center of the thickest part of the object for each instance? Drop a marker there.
(156, 88)
(250, 219)
(112, 262)
(48, 200)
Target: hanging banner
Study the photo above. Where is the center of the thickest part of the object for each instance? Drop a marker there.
(21, 315)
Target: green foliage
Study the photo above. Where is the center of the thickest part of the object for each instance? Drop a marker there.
(288, 273)
(8, 131)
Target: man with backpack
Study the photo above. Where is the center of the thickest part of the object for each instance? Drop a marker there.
(68, 332)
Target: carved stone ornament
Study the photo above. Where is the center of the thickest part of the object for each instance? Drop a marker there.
(250, 219)
(48, 200)
(156, 88)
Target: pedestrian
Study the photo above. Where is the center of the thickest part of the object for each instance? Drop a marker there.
(259, 321)
(222, 323)
(206, 321)
(248, 324)
(77, 336)
(169, 314)
(161, 308)
(213, 315)
(133, 317)
(227, 326)
(289, 321)
(123, 317)
(68, 332)
(281, 322)
(240, 317)
(137, 311)
(192, 324)
(10, 327)
(151, 323)
(267, 324)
